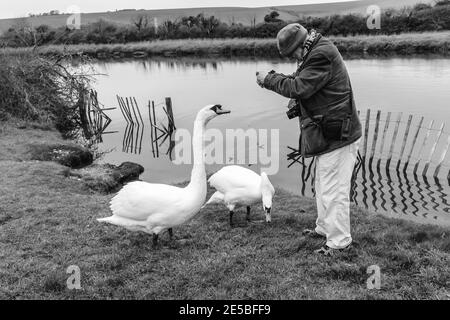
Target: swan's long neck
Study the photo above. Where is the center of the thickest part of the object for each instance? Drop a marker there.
(198, 174)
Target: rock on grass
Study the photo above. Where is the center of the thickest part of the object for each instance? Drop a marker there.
(70, 155)
(107, 178)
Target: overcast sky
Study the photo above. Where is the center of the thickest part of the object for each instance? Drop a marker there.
(21, 8)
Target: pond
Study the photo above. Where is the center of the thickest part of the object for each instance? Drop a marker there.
(416, 86)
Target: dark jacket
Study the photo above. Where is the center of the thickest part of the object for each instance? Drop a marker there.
(322, 86)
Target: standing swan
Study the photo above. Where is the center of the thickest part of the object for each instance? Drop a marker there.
(151, 207)
(237, 186)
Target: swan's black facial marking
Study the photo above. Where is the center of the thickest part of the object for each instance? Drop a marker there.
(218, 109)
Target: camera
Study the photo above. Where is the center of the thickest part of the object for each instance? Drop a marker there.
(294, 109)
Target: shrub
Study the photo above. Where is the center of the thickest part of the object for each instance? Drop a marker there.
(41, 89)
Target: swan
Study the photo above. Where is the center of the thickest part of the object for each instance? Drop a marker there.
(238, 186)
(153, 208)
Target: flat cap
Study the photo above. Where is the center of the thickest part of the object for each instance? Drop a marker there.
(290, 38)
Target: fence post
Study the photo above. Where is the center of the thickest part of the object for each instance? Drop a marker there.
(139, 112)
(151, 127)
(366, 135)
(375, 136)
(441, 160)
(423, 145)
(391, 150)
(405, 139)
(156, 133)
(433, 149)
(170, 113)
(413, 144)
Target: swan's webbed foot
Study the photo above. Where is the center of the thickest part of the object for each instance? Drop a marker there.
(248, 213)
(155, 240)
(231, 218)
(170, 230)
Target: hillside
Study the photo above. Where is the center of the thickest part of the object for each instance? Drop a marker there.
(225, 14)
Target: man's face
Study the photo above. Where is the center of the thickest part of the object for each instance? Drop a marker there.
(298, 54)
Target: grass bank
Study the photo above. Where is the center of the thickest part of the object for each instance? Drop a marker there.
(47, 223)
(403, 44)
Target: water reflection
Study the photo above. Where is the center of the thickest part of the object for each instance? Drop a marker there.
(132, 139)
(182, 64)
(134, 131)
(406, 194)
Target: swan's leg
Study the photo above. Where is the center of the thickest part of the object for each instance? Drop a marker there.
(231, 207)
(155, 239)
(170, 230)
(248, 213)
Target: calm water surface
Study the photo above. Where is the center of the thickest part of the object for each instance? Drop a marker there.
(417, 86)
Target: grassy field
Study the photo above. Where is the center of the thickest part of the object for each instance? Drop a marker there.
(408, 43)
(47, 223)
(226, 14)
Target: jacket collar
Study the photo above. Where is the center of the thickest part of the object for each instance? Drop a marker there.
(310, 41)
(316, 37)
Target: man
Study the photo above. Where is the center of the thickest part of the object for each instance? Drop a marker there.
(321, 86)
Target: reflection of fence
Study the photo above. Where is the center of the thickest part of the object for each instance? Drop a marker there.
(93, 120)
(400, 193)
(162, 131)
(413, 148)
(134, 131)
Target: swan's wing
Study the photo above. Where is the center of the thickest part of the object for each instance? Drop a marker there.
(234, 177)
(138, 200)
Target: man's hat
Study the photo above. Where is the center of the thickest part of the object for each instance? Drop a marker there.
(290, 38)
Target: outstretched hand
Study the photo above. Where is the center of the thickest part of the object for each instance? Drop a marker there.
(260, 76)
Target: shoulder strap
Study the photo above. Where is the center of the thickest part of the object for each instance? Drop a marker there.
(351, 98)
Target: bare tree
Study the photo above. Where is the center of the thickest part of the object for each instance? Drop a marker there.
(141, 22)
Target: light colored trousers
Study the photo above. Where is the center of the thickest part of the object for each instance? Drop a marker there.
(333, 182)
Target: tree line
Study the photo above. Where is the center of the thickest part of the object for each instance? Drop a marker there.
(418, 18)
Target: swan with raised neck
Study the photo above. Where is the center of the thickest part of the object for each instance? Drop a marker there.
(153, 208)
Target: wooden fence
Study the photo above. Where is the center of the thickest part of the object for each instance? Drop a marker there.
(409, 142)
(405, 141)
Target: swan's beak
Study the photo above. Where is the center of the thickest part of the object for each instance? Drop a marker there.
(222, 111)
(217, 108)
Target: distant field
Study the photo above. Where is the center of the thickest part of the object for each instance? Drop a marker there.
(226, 14)
(407, 43)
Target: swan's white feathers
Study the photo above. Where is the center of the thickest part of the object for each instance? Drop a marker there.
(234, 177)
(139, 200)
(217, 197)
(238, 185)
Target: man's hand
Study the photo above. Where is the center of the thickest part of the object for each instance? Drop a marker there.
(292, 103)
(260, 76)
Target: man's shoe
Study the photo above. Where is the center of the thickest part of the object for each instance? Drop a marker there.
(312, 234)
(329, 252)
